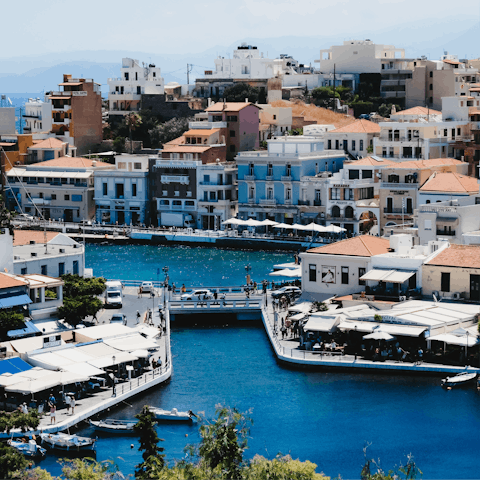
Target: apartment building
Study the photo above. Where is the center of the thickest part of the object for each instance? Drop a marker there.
(354, 139)
(445, 186)
(60, 189)
(121, 194)
(434, 79)
(37, 116)
(77, 112)
(49, 149)
(274, 121)
(399, 187)
(269, 182)
(125, 92)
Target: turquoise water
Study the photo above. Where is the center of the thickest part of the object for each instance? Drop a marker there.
(326, 418)
(196, 266)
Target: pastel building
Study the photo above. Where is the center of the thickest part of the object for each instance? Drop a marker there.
(37, 116)
(121, 194)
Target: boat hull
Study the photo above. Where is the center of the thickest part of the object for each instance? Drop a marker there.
(114, 428)
(66, 443)
(37, 452)
(460, 380)
(171, 416)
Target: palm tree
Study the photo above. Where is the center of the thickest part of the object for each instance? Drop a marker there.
(133, 120)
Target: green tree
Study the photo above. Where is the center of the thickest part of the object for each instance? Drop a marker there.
(240, 91)
(168, 131)
(133, 121)
(119, 144)
(87, 469)
(224, 442)
(153, 458)
(323, 96)
(11, 461)
(80, 298)
(10, 320)
(385, 109)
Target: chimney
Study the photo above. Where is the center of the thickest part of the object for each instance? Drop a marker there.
(246, 100)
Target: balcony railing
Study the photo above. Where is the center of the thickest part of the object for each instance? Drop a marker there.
(402, 186)
(268, 201)
(249, 178)
(397, 211)
(286, 178)
(304, 202)
(448, 233)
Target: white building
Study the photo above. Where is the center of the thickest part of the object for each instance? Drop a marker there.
(121, 195)
(50, 253)
(125, 92)
(37, 116)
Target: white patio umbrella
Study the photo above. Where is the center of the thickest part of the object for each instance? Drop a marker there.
(335, 229)
(297, 226)
(282, 225)
(378, 335)
(269, 222)
(233, 221)
(287, 272)
(316, 228)
(252, 223)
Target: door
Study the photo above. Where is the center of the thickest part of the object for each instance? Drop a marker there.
(68, 215)
(475, 287)
(121, 218)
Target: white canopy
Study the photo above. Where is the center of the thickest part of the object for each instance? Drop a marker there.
(335, 229)
(131, 342)
(391, 328)
(391, 276)
(317, 323)
(297, 226)
(108, 361)
(287, 272)
(463, 340)
(268, 222)
(303, 307)
(140, 354)
(282, 225)
(233, 221)
(316, 228)
(252, 223)
(47, 382)
(378, 335)
(84, 368)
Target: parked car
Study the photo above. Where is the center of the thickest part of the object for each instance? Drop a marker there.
(203, 294)
(147, 287)
(293, 292)
(119, 318)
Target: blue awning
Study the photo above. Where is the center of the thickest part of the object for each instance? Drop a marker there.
(28, 331)
(13, 365)
(8, 302)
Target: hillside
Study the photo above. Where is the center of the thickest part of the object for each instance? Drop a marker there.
(312, 112)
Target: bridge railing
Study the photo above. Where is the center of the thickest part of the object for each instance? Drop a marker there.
(252, 302)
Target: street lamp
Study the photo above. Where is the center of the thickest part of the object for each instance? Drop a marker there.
(466, 349)
(114, 391)
(165, 283)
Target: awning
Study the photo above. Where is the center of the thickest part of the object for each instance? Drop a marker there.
(13, 365)
(391, 276)
(83, 368)
(107, 361)
(15, 301)
(298, 316)
(391, 328)
(321, 324)
(463, 341)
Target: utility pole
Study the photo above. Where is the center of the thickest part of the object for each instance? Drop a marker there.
(334, 89)
(189, 69)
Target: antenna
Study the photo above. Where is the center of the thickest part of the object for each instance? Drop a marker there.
(189, 69)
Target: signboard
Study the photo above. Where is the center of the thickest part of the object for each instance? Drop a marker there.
(78, 94)
(52, 341)
(328, 274)
(182, 179)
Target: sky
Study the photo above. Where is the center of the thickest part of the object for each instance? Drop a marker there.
(189, 26)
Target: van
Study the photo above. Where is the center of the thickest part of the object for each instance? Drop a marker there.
(114, 295)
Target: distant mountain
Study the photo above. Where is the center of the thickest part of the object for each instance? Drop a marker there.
(44, 72)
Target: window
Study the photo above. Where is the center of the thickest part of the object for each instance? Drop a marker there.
(105, 189)
(345, 144)
(367, 173)
(431, 74)
(232, 133)
(126, 75)
(288, 170)
(348, 194)
(66, 197)
(250, 169)
(329, 145)
(77, 198)
(353, 174)
(44, 270)
(251, 193)
(119, 190)
(232, 118)
(54, 196)
(361, 145)
(23, 271)
(427, 225)
(270, 193)
(134, 189)
(232, 148)
(288, 194)
(344, 275)
(137, 166)
(337, 144)
(312, 273)
(270, 170)
(353, 144)
(335, 194)
(61, 269)
(178, 203)
(139, 90)
(361, 273)
(75, 267)
(445, 287)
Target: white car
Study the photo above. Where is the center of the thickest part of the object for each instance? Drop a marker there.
(203, 294)
(294, 292)
(147, 287)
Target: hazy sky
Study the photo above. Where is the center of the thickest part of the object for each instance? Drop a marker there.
(189, 26)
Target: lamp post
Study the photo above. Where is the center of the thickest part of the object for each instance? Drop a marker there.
(114, 390)
(165, 283)
(466, 350)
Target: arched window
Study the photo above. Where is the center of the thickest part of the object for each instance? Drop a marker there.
(335, 211)
(349, 212)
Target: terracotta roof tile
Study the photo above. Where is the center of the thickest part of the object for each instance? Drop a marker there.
(450, 182)
(361, 246)
(229, 106)
(432, 162)
(23, 237)
(372, 161)
(72, 162)
(418, 111)
(462, 256)
(185, 148)
(49, 143)
(7, 281)
(359, 126)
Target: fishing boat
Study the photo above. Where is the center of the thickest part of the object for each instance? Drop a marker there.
(172, 415)
(29, 449)
(111, 425)
(458, 380)
(63, 441)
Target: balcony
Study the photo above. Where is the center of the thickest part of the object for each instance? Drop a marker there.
(443, 233)
(206, 125)
(268, 201)
(286, 178)
(214, 184)
(397, 211)
(401, 186)
(317, 203)
(269, 178)
(304, 202)
(249, 178)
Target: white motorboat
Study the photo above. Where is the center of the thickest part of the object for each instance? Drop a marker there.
(112, 425)
(172, 415)
(63, 441)
(460, 379)
(29, 449)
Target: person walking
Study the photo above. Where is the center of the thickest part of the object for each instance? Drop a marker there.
(67, 402)
(72, 403)
(183, 289)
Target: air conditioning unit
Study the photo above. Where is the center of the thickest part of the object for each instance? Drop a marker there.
(62, 250)
(34, 254)
(457, 296)
(403, 298)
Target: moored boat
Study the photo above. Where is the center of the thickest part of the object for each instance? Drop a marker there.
(458, 380)
(63, 441)
(172, 415)
(111, 425)
(29, 449)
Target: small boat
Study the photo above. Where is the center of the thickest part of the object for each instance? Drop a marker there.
(172, 415)
(458, 380)
(63, 441)
(111, 425)
(29, 449)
